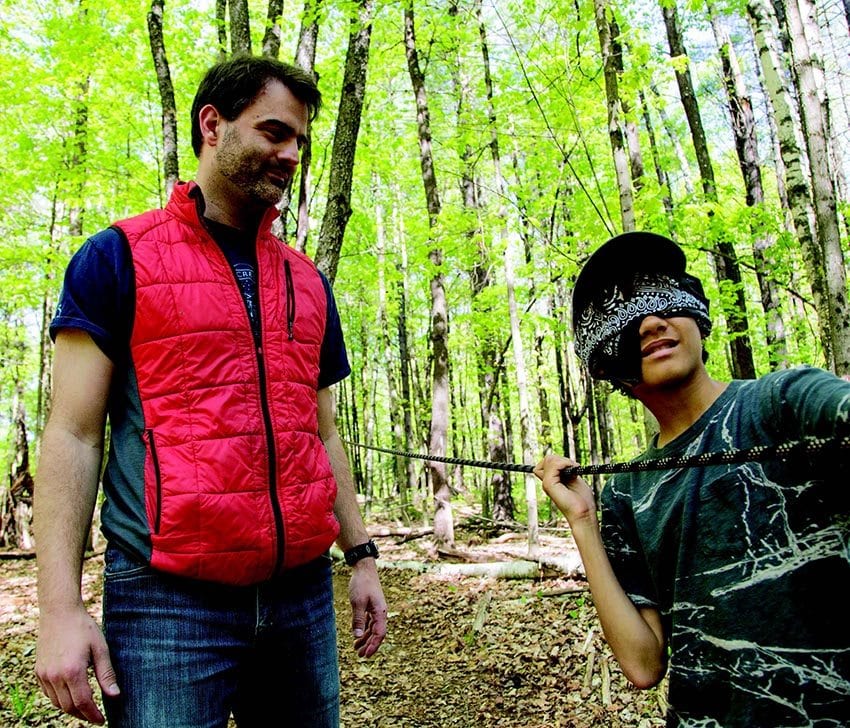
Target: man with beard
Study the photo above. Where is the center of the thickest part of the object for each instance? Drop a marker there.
(211, 347)
(724, 572)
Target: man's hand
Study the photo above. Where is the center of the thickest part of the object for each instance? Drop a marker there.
(575, 500)
(368, 607)
(67, 645)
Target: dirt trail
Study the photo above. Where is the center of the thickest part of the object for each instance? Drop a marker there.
(537, 661)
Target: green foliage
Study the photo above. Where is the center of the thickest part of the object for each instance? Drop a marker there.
(22, 700)
(82, 132)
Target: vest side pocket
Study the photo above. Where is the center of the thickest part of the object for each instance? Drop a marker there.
(157, 510)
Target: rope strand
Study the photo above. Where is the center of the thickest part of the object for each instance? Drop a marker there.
(806, 447)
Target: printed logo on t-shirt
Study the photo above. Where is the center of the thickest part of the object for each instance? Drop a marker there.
(248, 285)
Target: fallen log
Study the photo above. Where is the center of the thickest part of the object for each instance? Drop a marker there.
(495, 570)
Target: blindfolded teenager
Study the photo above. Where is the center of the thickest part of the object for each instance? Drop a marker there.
(724, 575)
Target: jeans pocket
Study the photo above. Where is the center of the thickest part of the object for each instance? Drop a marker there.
(120, 565)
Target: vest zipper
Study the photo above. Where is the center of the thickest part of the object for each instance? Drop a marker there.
(158, 479)
(261, 372)
(273, 496)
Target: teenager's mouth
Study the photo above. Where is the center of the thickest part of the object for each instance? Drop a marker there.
(658, 345)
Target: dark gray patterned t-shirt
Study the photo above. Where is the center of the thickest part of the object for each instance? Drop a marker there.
(747, 563)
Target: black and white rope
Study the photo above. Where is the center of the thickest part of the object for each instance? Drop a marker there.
(807, 447)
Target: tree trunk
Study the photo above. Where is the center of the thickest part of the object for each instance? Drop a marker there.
(338, 208)
(443, 521)
(221, 27)
(383, 323)
(660, 172)
(240, 29)
(305, 56)
(814, 112)
(16, 513)
(170, 164)
(615, 131)
(271, 38)
(724, 256)
(673, 139)
(497, 499)
(746, 147)
(408, 433)
(527, 428)
(796, 184)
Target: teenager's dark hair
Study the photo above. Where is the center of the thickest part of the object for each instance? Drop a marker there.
(234, 84)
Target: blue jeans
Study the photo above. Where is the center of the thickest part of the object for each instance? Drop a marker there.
(188, 653)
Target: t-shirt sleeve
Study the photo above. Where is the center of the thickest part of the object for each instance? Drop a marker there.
(97, 293)
(333, 358)
(810, 402)
(619, 535)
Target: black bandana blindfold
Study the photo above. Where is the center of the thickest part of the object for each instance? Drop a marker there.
(606, 330)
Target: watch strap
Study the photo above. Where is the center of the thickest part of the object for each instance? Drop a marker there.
(361, 551)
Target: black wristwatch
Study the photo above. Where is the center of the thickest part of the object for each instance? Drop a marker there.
(362, 551)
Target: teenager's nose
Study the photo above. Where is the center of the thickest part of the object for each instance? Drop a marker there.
(652, 324)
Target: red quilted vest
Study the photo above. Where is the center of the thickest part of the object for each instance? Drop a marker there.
(238, 485)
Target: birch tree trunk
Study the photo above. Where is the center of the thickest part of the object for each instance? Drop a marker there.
(797, 188)
(498, 501)
(814, 113)
(526, 420)
(408, 432)
(338, 208)
(443, 520)
(305, 56)
(170, 164)
(725, 258)
(615, 131)
(384, 329)
(746, 147)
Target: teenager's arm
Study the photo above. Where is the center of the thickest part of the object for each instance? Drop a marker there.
(369, 609)
(635, 635)
(66, 483)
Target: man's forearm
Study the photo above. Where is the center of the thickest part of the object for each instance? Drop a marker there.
(63, 504)
(352, 530)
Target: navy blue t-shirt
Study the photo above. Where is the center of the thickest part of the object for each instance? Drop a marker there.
(98, 297)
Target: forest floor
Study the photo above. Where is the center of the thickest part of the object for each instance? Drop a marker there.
(461, 652)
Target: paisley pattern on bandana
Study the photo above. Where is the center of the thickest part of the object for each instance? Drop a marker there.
(600, 326)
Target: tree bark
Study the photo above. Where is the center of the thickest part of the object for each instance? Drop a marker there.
(443, 521)
(746, 147)
(528, 432)
(305, 56)
(271, 38)
(724, 256)
(240, 29)
(170, 163)
(338, 208)
(814, 112)
(615, 129)
(221, 27)
(796, 183)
